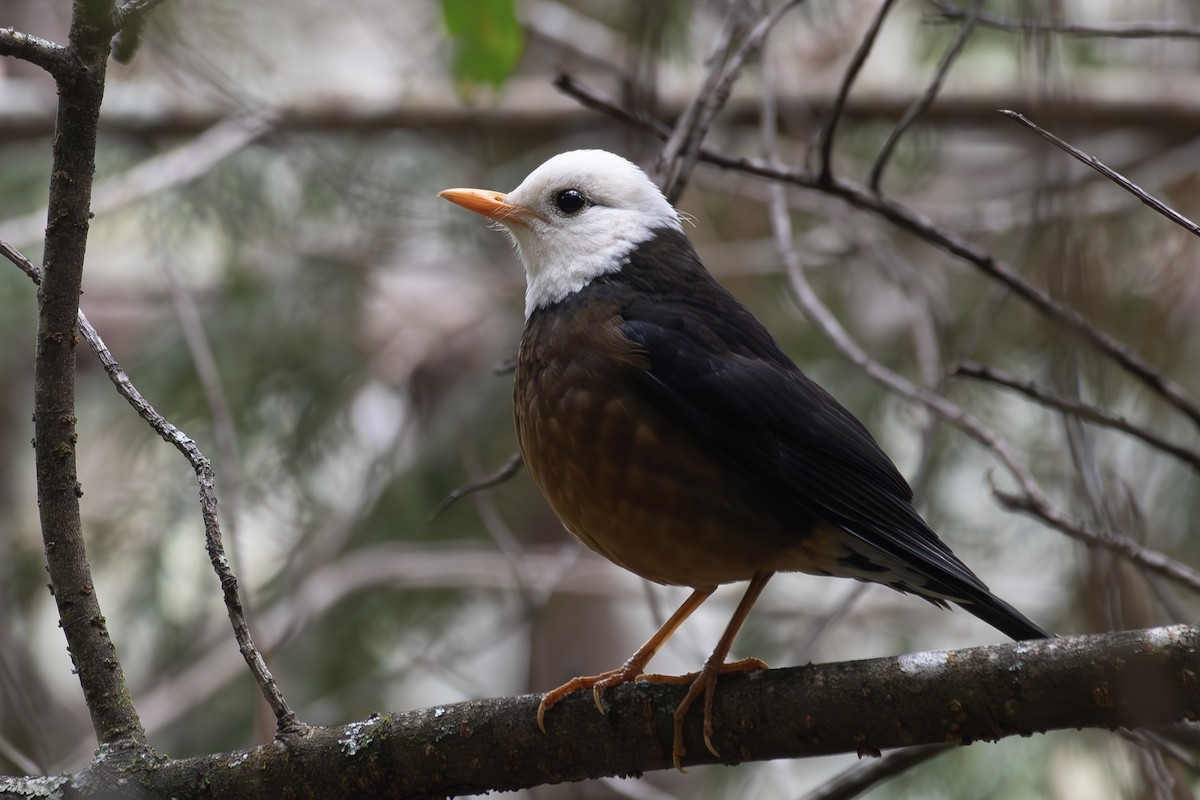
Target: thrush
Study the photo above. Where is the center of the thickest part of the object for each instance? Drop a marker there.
(671, 433)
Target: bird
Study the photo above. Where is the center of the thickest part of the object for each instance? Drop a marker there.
(671, 434)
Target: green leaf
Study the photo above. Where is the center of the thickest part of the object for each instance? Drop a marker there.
(488, 36)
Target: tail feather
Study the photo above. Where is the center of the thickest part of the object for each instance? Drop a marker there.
(930, 571)
(1003, 617)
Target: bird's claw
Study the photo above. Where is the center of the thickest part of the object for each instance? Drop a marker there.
(599, 684)
(703, 681)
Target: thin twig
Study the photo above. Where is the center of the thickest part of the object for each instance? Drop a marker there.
(926, 99)
(683, 146)
(1041, 394)
(866, 775)
(191, 324)
(1112, 30)
(672, 168)
(1100, 502)
(286, 719)
(494, 478)
(133, 10)
(825, 147)
(50, 56)
(913, 221)
(509, 545)
(24, 264)
(1091, 535)
(206, 478)
(130, 20)
(1108, 172)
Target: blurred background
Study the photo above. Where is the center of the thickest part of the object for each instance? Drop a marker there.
(270, 264)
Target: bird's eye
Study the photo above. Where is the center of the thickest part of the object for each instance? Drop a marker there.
(570, 201)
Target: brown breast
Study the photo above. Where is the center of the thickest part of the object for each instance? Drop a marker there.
(626, 481)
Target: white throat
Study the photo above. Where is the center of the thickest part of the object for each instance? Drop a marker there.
(554, 270)
(566, 247)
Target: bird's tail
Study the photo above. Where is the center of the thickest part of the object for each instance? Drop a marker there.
(1002, 616)
(920, 563)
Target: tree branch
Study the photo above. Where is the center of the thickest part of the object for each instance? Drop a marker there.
(133, 10)
(494, 478)
(683, 145)
(922, 104)
(825, 146)
(114, 718)
(913, 221)
(1131, 679)
(1088, 413)
(1154, 560)
(286, 719)
(50, 56)
(1106, 171)
(130, 22)
(863, 776)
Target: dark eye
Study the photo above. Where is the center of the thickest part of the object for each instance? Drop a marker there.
(570, 201)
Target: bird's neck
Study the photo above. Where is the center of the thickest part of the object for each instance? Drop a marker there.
(554, 273)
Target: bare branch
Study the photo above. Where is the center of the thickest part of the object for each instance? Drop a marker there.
(926, 100)
(1131, 679)
(224, 429)
(825, 170)
(1092, 414)
(681, 150)
(101, 676)
(824, 319)
(678, 153)
(494, 478)
(1114, 30)
(24, 264)
(913, 221)
(1111, 174)
(50, 56)
(1040, 508)
(206, 478)
(132, 11)
(866, 775)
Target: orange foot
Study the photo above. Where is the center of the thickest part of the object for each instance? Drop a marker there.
(599, 684)
(703, 681)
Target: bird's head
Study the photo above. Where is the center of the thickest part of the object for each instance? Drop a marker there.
(574, 218)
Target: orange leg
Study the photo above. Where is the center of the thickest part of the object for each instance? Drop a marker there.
(706, 680)
(631, 669)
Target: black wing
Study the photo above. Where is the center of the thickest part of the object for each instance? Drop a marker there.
(717, 370)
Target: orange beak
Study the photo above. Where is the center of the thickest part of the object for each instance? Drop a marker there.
(493, 205)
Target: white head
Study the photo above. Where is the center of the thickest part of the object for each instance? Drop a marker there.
(574, 218)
